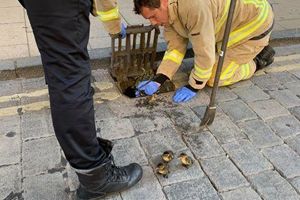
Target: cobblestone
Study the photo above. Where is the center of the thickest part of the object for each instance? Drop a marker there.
(246, 157)
(102, 111)
(294, 143)
(296, 183)
(250, 94)
(296, 112)
(45, 186)
(40, 156)
(268, 109)
(245, 193)
(284, 77)
(190, 190)
(286, 97)
(223, 173)
(238, 110)
(204, 145)
(260, 134)
(223, 94)
(267, 82)
(285, 126)
(284, 159)
(155, 143)
(271, 185)
(225, 130)
(10, 180)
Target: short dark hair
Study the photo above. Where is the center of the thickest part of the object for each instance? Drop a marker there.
(138, 4)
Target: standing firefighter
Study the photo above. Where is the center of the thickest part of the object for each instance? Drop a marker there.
(61, 30)
(202, 22)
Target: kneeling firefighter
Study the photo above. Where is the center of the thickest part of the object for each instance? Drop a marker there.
(202, 22)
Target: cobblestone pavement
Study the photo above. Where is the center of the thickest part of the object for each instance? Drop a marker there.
(251, 151)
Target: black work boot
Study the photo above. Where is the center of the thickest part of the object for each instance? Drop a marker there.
(107, 178)
(264, 58)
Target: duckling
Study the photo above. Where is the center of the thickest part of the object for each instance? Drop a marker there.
(167, 156)
(185, 160)
(162, 169)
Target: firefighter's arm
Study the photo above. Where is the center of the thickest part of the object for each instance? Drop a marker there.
(107, 11)
(199, 22)
(176, 48)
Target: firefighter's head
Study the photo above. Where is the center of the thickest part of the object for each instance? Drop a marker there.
(156, 11)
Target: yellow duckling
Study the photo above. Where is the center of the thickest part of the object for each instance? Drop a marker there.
(162, 169)
(167, 156)
(185, 160)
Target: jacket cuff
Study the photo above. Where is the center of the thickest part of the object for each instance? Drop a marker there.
(191, 88)
(160, 78)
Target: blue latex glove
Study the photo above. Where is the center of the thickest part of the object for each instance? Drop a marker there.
(183, 94)
(123, 30)
(148, 88)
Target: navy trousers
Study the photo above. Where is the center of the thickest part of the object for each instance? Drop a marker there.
(61, 30)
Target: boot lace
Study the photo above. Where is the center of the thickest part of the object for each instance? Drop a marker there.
(116, 173)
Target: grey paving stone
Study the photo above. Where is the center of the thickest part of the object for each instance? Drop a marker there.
(36, 125)
(260, 134)
(147, 189)
(237, 110)
(40, 155)
(225, 130)
(127, 151)
(284, 77)
(270, 185)
(223, 94)
(244, 83)
(204, 145)
(286, 97)
(71, 178)
(155, 143)
(296, 73)
(245, 193)
(200, 111)
(294, 88)
(200, 99)
(10, 140)
(178, 173)
(33, 84)
(296, 183)
(250, 94)
(192, 190)
(10, 181)
(185, 119)
(285, 126)
(10, 87)
(267, 82)
(284, 159)
(45, 186)
(294, 143)
(102, 111)
(153, 122)
(268, 109)
(246, 157)
(296, 112)
(223, 173)
(115, 128)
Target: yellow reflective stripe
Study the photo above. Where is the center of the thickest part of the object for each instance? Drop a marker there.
(174, 56)
(202, 73)
(245, 71)
(109, 15)
(224, 17)
(252, 26)
(229, 71)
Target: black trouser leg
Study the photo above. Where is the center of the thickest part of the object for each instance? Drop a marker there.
(61, 30)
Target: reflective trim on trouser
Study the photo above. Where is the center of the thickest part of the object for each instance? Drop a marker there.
(235, 73)
(62, 39)
(109, 15)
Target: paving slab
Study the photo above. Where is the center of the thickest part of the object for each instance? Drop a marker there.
(285, 126)
(284, 159)
(285, 77)
(268, 109)
(294, 143)
(223, 94)
(190, 190)
(286, 97)
(245, 193)
(204, 145)
(247, 158)
(296, 183)
(260, 134)
(267, 82)
(156, 142)
(10, 182)
(237, 110)
(224, 130)
(147, 189)
(45, 186)
(251, 93)
(296, 112)
(178, 173)
(270, 185)
(40, 156)
(115, 128)
(223, 173)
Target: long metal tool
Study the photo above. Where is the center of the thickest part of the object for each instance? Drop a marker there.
(210, 111)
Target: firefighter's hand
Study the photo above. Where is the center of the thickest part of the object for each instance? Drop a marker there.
(149, 88)
(123, 30)
(184, 94)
